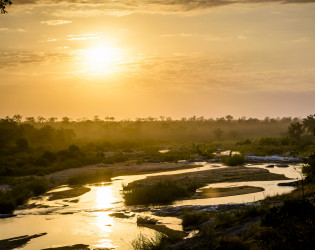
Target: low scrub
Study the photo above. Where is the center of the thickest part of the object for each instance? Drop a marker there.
(195, 219)
(99, 176)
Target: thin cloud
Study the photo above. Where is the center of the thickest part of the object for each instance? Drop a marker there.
(80, 37)
(55, 22)
(5, 29)
(126, 7)
(9, 59)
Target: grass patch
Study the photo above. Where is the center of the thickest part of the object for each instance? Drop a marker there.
(154, 243)
(99, 176)
(162, 192)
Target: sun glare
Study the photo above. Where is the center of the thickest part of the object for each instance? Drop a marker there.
(101, 60)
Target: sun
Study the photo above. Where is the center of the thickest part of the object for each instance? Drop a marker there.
(102, 60)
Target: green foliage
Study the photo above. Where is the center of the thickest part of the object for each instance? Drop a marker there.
(99, 176)
(234, 160)
(162, 192)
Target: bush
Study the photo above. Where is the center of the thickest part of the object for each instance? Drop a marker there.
(234, 160)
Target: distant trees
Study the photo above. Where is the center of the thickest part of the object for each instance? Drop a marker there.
(3, 5)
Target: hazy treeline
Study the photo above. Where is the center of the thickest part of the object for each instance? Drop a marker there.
(40, 146)
(50, 130)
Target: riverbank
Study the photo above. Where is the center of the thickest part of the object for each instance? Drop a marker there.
(118, 169)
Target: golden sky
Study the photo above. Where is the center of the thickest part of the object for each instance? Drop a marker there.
(139, 58)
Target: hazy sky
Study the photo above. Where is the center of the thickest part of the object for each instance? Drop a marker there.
(138, 58)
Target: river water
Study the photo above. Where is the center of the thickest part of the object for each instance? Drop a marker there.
(86, 220)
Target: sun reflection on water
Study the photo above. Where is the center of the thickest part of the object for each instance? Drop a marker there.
(103, 200)
(104, 197)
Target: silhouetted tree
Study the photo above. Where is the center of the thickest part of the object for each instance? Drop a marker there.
(3, 5)
(17, 118)
(65, 119)
(52, 119)
(41, 119)
(30, 120)
(229, 118)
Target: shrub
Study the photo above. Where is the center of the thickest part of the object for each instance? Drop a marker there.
(234, 160)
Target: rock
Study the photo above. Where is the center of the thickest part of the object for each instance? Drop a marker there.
(270, 166)
(120, 215)
(146, 220)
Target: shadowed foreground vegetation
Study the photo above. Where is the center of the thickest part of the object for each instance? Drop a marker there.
(22, 189)
(280, 222)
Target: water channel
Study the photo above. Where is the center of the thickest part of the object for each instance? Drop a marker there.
(86, 220)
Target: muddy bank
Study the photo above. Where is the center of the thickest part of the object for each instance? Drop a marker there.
(73, 192)
(18, 242)
(223, 192)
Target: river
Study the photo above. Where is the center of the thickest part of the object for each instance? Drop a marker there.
(86, 220)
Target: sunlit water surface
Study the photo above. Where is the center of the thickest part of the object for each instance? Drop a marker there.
(88, 221)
